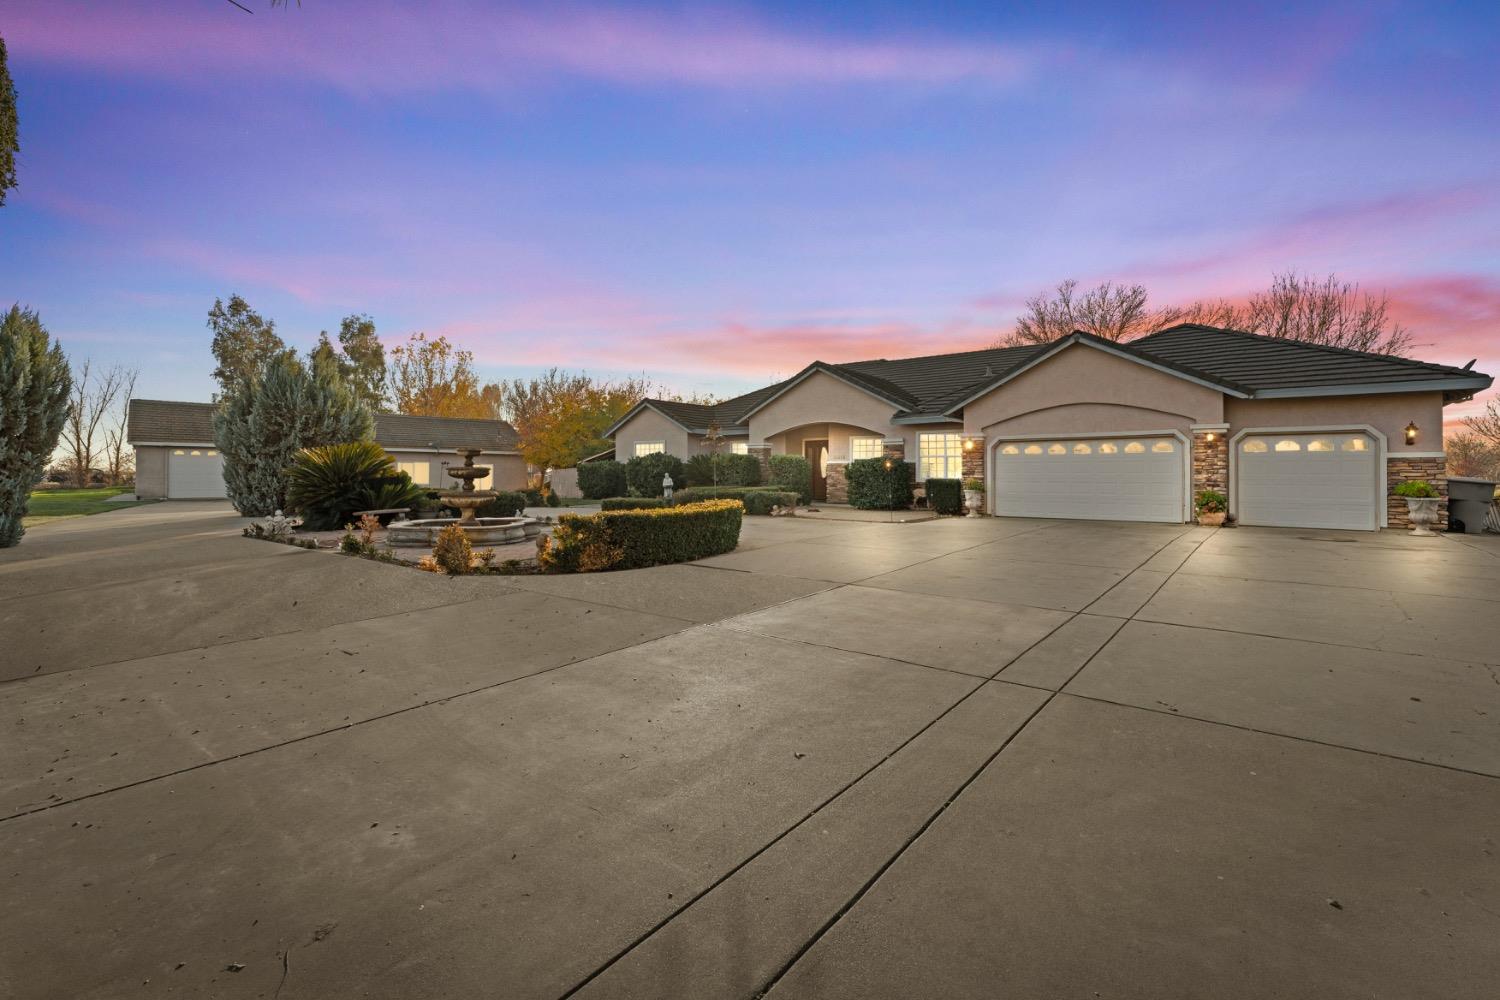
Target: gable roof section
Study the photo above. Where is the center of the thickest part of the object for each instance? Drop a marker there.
(161, 421)
(880, 388)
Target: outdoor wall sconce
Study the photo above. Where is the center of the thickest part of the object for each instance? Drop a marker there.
(1411, 433)
(968, 444)
(888, 465)
(1211, 437)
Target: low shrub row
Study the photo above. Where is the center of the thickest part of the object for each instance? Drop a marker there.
(946, 496)
(631, 539)
(632, 503)
(694, 494)
(874, 487)
(763, 501)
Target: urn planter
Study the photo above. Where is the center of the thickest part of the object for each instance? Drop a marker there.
(1422, 512)
(1211, 519)
(974, 501)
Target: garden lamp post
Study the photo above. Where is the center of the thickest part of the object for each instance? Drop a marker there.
(890, 491)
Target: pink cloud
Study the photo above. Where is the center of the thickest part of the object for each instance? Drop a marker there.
(401, 48)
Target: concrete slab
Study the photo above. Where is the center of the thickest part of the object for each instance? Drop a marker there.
(975, 637)
(688, 592)
(1053, 661)
(816, 562)
(1418, 707)
(1112, 546)
(106, 566)
(84, 731)
(1129, 595)
(1373, 619)
(981, 576)
(513, 839)
(1118, 853)
(733, 940)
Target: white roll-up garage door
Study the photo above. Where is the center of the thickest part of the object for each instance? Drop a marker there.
(1104, 479)
(1326, 480)
(195, 474)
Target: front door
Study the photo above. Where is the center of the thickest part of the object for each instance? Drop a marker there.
(816, 453)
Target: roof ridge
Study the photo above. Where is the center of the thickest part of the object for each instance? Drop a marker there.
(1329, 348)
(944, 354)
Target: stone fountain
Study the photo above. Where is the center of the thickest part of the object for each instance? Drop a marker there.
(466, 500)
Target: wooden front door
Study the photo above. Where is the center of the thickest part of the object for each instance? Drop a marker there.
(816, 453)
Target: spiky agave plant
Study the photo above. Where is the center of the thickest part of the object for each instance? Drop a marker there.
(327, 485)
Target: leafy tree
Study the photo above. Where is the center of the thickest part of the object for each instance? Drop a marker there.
(432, 378)
(561, 417)
(10, 130)
(264, 420)
(361, 362)
(244, 342)
(35, 384)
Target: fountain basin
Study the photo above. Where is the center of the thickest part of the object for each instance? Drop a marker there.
(479, 530)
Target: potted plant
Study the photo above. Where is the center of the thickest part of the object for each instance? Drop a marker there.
(974, 496)
(1421, 504)
(1211, 505)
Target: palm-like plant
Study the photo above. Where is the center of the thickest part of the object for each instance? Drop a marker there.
(327, 485)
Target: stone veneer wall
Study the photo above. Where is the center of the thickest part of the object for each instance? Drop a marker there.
(1399, 469)
(762, 453)
(1210, 460)
(837, 483)
(973, 457)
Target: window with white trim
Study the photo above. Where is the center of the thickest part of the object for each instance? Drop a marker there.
(866, 447)
(649, 448)
(420, 472)
(739, 448)
(940, 455)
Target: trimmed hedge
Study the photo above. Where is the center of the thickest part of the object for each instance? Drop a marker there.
(598, 480)
(630, 539)
(761, 501)
(632, 503)
(507, 503)
(871, 487)
(946, 496)
(734, 470)
(643, 473)
(694, 494)
(794, 474)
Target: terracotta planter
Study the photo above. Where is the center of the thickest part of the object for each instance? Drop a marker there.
(1422, 512)
(1211, 519)
(974, 500)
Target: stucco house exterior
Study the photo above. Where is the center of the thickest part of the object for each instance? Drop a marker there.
(175, 457)
(1294, 434)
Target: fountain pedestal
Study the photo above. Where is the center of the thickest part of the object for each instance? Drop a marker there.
(466, 500)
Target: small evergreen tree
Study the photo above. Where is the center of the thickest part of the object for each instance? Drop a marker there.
(266, 418)
(35, 383)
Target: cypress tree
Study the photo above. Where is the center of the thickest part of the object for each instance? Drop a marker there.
(35, 382)
(265, 419)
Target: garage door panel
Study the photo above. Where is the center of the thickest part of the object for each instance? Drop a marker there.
(1307, 481)
(195, 474)
(1116, 479)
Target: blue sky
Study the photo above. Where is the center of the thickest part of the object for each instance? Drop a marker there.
(715, 196)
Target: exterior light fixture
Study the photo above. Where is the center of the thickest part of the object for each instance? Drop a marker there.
(968, 444)
(1411, 433)
(888, 465)
(1211, 436)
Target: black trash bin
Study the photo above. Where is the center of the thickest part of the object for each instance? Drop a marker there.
(1469, 501)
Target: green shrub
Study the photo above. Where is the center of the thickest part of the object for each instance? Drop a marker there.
(874, 487)
(453, 552)
(1210, 502)
(327, 485)
(534, 498)
(761, 501)
(694, 494)
(946, 496)
(632, 503)
(1416, 488)
(507, 503)
(974, 484)
(391, 492)
(597, 480)
(792, 473)
(553, 500)
(643, 473)
(630, 539)
(35, 383)
(733, 470)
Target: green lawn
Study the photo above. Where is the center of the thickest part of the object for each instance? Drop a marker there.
(52, 505)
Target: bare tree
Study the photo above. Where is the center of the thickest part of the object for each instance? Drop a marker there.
(1114, 312)
(1326, 311)
(1469, 454)
(119, 458)
(88, 406)
(1487, 424)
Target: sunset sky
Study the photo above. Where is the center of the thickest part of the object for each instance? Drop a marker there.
(717, 195)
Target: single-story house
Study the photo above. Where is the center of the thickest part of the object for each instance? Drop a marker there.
(1294, 434)
(175, 455)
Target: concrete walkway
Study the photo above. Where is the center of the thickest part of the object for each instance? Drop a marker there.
(960, 758)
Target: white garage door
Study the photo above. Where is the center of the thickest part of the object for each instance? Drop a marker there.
(1307, 480)
(1114, 479)
(195, 474)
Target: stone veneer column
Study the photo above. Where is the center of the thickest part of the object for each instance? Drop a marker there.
(1401, 468)
(836, 483)
(974, 457)
(762, 453)
(1210, 459)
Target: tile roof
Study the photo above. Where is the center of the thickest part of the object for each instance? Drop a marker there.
(172, 422)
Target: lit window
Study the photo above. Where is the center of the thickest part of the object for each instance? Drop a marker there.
(1163, 447)
(866, 447)
(940, 455)
(1056, 449)
(1288, 446)
(1082, 449)
(740, 448)
(1354, 444)
(1135, 448)
(1253, 446)
(1108, 449)
(649, 448)
(419, 471)
(1010, 449)
(1320, 445)
(1033, 449)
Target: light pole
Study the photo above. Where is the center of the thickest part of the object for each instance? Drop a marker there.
(890, 491)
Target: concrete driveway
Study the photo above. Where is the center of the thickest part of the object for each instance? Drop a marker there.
(950, 759)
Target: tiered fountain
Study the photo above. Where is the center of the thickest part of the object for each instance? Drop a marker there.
(466, 500)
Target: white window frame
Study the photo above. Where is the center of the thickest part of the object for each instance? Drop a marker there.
(651, 448)
(953, 463)
(879, 442)
(739, 448)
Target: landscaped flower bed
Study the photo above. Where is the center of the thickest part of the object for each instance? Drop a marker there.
(629, 539)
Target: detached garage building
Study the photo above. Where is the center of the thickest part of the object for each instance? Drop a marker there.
(175, 457)
(1294, 434)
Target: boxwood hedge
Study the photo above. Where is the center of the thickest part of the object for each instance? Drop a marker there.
(632, 503)
(761, 501)
(946, 496)
(693, 494)
(643, 473)
(733, 470)
(630, 539)
(794, 473)
(873, 487)
(597, 480)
